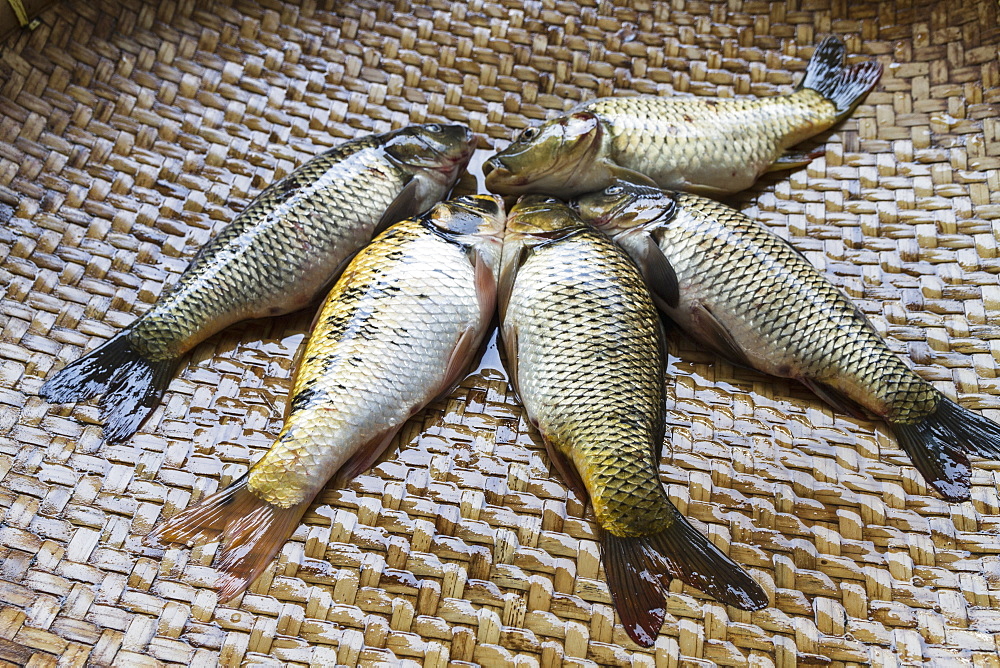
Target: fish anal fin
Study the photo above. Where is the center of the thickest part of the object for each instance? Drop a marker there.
(364, 457)
(836, 400)
(252, 532)
(402, 207)
(715, 335)
(792, 159)
(566, 469)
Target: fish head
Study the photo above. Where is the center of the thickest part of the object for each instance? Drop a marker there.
(541, 217)
(475, 221)
(625, 205)
(435, 154)
(559, 157)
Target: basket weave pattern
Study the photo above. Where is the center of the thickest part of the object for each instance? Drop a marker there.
(130, 131)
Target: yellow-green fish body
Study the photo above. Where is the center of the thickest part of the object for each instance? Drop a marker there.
(733, 284)
(706, 145)
(585, 352)
(276, 256)
(404, 320)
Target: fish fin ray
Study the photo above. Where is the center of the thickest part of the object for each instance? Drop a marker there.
(836, 400)
(252, 533)
(402, 207)
(131, 385)
(717, 337)
(845, 87)
(792, 159)
(637, 594)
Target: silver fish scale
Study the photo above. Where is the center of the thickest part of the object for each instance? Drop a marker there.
(590, 376)
(279, 252)
(795, 323)
(378, 352)
(678, 141)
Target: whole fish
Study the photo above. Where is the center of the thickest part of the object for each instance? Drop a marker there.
(397, 330)
(751, 296)
(585, 351)
(711, 146)
(277, 256)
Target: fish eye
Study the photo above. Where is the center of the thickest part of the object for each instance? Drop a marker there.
(528, 134)
(614, 191)
(434, 127)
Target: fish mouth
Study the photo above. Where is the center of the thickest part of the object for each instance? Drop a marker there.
(500, 179)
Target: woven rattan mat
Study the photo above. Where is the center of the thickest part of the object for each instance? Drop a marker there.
(129, 131)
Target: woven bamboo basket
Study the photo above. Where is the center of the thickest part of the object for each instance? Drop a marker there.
(131, 131)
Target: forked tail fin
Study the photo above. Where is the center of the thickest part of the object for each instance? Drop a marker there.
(639, 569)
(844, 86)
(252, 532)
(131, 384)
(939, 446)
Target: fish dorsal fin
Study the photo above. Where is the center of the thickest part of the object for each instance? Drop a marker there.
(402, 207)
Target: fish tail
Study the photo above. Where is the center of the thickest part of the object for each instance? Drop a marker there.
(939, 446)
(845, 87)
(131, 384)
(252, 531)
(638, 569)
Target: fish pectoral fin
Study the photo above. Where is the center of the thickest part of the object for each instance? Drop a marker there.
(794, 159)
(508, 336)
(461, 357)
(656, 268)
(513, 255)
(365, 457)
(836, 400)
(401, 208)
(252, 532)
(626, 174)
(715, 335)
(486, 286)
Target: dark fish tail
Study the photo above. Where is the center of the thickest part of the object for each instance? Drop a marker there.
(638, 570)
(845, 87)
(252, 532)
(131, 384)
(940, 444)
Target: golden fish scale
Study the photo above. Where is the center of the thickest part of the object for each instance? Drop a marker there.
(277, 253)
(720, 141)
(797, 319)
(377, 353)
(587, 377)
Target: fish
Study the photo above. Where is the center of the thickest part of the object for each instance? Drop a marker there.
(397, 330)
(752, 297)
(586, 356)
(709, 146)
(277, 256)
